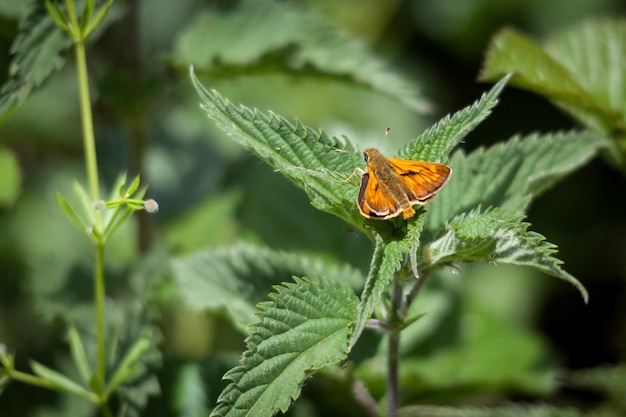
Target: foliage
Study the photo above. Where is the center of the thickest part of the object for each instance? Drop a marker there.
(103, 310)
(579, 69)
(311, 161)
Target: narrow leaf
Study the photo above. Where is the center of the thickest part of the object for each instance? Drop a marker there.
(236, 278)
(79, 355)
(305, 328)
(100, 15)
(133, 186)
(130, 365)
(70, 213)
(57, 15)
(87, 14)
(436, 143)
(60, 381)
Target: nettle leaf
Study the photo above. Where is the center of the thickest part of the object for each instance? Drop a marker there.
(235, 279)
(305, 328)
(244, 40)
(580, 69)
(304, 156)
(436, 143)
(495, 236)
(510, 174)
(38, 51)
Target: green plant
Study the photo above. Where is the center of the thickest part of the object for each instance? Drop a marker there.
(99, 220)
(579, 69)
(314, 322)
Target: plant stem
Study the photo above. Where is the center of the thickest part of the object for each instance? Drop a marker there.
(99, 295)
(89, 142)
(91, 164)
(393, 349)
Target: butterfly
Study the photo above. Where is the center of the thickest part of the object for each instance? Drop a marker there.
(391, 186)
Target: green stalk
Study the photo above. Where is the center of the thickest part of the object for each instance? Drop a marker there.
(89, 142)
(99, 295)
(393, 349)
(91, 164)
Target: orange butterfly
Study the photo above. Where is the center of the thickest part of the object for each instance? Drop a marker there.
(391, 186)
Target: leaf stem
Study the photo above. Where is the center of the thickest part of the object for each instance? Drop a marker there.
(393, 349)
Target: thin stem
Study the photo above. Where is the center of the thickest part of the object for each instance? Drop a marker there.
(91, 162)
(393, 350)
(99, 295)
(415, 290)
(89, 142)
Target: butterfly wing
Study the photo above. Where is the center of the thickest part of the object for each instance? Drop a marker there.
(372, 201)
(421, 180)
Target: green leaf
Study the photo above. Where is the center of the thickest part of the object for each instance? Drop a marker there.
(10, 177)
(70, 213)
(580, 69)
(496, 236)
(54, 10)
(244, 40)
(60, 381)
(130, 365)
(436, 143)
(303, 329)
(86, 16)
(38, 51)
(236, 278)
(95, 22)
(386, 262)
(510, 174)
(304, 156)
(133, 186)
(79, 355)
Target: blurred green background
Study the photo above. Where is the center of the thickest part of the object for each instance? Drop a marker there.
(213, 193)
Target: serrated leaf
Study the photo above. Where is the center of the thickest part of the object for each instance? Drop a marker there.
(435, 144)
(496, 236)
(244, 40)
(303, 329)
(304, 156)
(580, 69)
(38, 51)
(510, 174)
(235, 279)
(60, 381)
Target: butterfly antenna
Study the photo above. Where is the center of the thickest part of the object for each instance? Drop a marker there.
(384, 136)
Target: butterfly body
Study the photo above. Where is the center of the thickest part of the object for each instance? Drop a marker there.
(391, 186)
